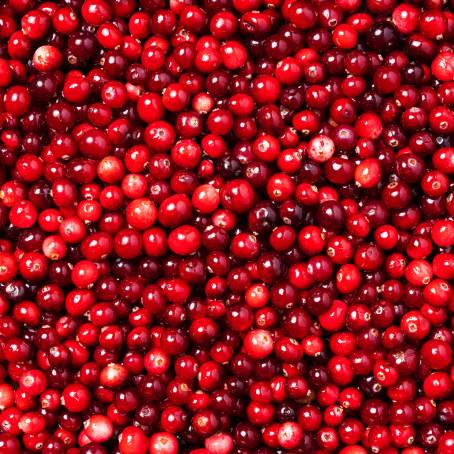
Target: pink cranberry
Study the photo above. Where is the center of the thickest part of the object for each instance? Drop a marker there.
(321, 148)
(98, 428)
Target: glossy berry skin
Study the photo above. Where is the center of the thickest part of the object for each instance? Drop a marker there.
(226, 227)
(133, 440)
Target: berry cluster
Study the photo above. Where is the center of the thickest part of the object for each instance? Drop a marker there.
(226, 226)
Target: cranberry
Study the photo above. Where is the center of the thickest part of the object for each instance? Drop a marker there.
(226, 226)
(133, 440)
(98, 429)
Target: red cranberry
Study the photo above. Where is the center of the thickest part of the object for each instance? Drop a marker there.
(227, 242)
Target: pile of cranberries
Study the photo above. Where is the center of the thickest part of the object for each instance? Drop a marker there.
(226, 226)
